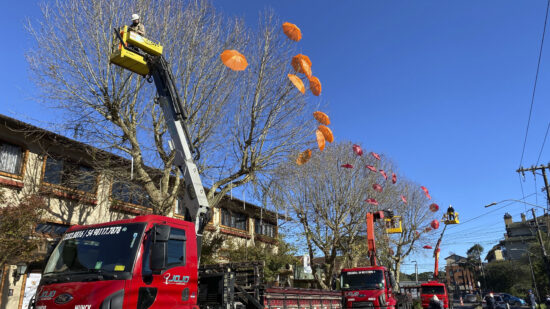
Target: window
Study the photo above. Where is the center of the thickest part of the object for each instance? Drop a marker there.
(176, 248)
(52, 229)
(264, 228)
(69, 174)
(11, 158)
(175, 251)
(234, 219)
(130, 193)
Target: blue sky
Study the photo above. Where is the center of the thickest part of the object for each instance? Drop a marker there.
(442, 88)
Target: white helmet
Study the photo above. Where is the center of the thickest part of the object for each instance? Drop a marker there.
(135, 16)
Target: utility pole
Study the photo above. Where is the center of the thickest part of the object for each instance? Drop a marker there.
(546, 187)
(543, 249)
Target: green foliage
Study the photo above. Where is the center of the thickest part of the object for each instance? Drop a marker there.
(541, 273)
(426, 276)
(18, 241)
(211, 244)
(274, 262)
(405, 277)
(508, 277)
(475, 251)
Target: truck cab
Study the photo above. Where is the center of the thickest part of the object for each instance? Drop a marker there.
(144, 262)
(367, 287)
(431, 288)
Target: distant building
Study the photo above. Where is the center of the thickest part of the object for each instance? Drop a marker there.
(34, 160)
(495, 254)
(519, 235)
(460, 275)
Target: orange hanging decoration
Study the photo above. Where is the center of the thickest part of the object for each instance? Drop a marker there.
(315, 85)
(303, 157)
(320, 139)
(292, 31)
(327, 133)
(321, 117)
(302, 64)
(234, 60)
(297, 82)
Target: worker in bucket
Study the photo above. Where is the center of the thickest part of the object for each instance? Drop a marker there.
(137, 26)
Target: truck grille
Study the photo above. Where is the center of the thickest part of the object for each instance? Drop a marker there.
(362, 304)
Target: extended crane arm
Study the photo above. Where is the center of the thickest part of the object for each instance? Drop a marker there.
(371, 241)
(143, 56)
(436, 253)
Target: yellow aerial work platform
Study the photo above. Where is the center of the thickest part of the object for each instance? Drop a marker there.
(393, 225)
(131, 50)
(451, 218)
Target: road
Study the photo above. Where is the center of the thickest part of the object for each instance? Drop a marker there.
(456, 305)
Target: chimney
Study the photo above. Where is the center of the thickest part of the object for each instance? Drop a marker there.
(507, 219)
(523, 218)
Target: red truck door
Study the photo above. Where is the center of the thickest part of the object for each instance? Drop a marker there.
(175, 286)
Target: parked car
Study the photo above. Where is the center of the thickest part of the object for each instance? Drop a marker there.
(516, 301)
(499, 302)
(513, 300)
(470, 298)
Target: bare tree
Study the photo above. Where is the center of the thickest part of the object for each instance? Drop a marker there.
(241, 122)
(327, 201)
(18, 219)
(416, 217)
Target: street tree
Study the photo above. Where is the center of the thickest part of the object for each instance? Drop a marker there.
(275, 257)
(475, 252)
(327, 203)
(241, 123)
(18, 219)
(508, 276)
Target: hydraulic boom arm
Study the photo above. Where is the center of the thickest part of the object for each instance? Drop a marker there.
(144, 57)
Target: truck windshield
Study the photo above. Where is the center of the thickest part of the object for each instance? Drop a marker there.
(433, 289)
(108, 250)
(364, 279)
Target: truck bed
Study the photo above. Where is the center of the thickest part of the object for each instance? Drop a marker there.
(239, 285)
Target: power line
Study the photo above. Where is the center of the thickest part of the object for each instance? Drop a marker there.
(535, 84)
(543, 142)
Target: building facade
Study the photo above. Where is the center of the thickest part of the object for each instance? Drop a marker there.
(37, 161)
(460, 275)
(519, 235)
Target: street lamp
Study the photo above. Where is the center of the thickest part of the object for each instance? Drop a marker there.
(513, 200)
(19, 271)
(415, 269)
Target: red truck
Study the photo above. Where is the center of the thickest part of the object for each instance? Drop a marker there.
(439, 289)
(151, 262)
(431, 288)
(372, 286)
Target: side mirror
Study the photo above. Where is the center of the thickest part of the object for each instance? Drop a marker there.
(160, 234)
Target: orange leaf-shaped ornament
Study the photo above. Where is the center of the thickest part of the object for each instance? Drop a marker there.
(234, 60)
(320, 139)
(297, 82)
(321, 117)
(292, 31)
(303, 157)
(327, 133)
(315, 85)
(302, 64)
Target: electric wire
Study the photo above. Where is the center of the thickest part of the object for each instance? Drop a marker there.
(535, 84)
(543, 142)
